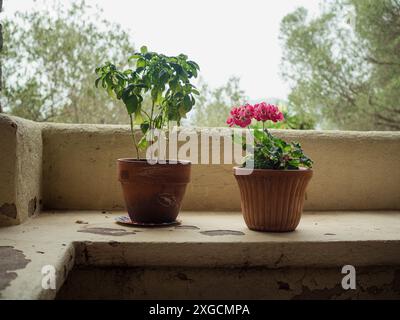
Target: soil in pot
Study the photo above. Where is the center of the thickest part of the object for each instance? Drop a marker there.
(153, 193)
(272, 200)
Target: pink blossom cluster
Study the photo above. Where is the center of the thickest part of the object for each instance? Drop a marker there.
(243, 115)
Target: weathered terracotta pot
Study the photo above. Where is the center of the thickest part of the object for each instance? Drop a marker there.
(272, 200)
(153, 192)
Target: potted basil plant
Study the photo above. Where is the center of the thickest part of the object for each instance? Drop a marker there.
(274, 177)
(153, 192)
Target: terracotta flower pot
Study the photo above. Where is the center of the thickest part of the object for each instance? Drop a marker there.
(153, 193)
(272, 200)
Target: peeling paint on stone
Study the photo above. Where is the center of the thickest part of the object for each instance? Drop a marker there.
(182, 276)
(10, 260)
(114, 243)
(277, 262)
(107, 231)
(283, 285)
(319, 294)
(32, 206)
(396, 281)
(9, 210)
(213, 233)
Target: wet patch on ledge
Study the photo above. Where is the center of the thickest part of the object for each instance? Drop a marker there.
(9, 210)
(187, 227)
(107, 231)
(10, 260)
(213, 233)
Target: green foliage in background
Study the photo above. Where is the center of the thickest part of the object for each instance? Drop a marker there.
(48, 61)
(344, 65)
(213, 106)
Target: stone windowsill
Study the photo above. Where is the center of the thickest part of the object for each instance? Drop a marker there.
(65, 239)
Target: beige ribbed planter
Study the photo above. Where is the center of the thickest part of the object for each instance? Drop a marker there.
(272, 200)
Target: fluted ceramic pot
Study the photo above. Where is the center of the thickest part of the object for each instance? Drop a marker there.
(272, 200)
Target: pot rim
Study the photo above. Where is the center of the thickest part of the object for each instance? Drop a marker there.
(237, 169)
(142, 161)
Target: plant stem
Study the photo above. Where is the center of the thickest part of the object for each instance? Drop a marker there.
(266, 130)
(133, 137)
(151, 121)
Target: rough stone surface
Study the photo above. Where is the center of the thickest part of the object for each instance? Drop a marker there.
(228, 283)
(363, 239)
(353, 170)
(20, 169)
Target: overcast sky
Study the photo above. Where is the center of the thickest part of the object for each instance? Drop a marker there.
(226, 37)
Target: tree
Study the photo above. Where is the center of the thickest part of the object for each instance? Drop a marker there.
(344, 65)
(213, 106)
(49, 62)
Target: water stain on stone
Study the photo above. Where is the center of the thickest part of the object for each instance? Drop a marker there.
(9, 210)
(107, 231)
(330, 234)
(213, 233)
(187, 227)
(10, 260)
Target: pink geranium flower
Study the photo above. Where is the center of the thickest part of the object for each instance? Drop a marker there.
(243, 115)
(264, 112)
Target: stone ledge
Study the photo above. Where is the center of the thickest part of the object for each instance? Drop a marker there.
(92, 239)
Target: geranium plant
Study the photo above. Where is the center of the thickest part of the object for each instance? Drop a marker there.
(269, 152)
(164, 79)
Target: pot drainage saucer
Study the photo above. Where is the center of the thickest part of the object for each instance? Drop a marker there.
(125, 220)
